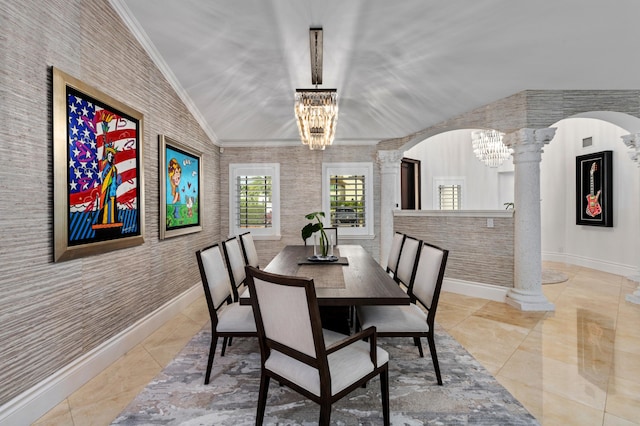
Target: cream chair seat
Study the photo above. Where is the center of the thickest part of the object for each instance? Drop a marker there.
(322, 365)
(417, 319)
(228, 319)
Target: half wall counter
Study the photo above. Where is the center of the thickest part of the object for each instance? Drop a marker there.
(480, 242)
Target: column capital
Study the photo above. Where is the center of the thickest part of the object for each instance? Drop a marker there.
(389, 160)
(527, 144)
(632, 141)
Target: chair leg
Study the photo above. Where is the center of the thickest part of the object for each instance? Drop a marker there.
(384, 392)
(212, 353)
(325, 414)
(434, 357)
(418, 343)
(262, 398)
(224, 345)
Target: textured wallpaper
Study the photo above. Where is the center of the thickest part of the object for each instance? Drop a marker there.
(52, 313)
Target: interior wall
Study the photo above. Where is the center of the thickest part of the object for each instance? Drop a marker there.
(300, 189)
(485, 188)
(53, 313)
(612, 249)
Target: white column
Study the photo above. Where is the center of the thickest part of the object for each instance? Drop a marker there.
(527, 145)
(389, 162)
(633, 142)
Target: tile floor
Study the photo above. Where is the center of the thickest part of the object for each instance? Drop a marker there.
(579, 365)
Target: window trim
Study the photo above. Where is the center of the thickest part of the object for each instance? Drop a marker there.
(256, 169)
(355, 168)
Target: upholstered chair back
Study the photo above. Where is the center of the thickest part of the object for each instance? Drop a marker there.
(429, 275)
(235, 265)
(249, 250)
(394, 253)
(285, 315)
(407, 260)
(215, 275)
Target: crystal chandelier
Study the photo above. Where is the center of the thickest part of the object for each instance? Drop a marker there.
(316, 114)
(316, 109)
(488, 147)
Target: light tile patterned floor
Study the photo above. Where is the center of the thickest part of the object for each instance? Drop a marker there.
(578, 365)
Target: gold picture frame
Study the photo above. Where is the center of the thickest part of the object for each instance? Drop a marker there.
(180, 187)
(98, 173)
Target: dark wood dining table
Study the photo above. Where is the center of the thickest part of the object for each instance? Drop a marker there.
(355, 279)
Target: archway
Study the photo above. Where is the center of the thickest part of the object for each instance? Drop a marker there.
(519, 116)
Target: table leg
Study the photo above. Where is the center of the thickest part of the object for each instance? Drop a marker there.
(336, 318)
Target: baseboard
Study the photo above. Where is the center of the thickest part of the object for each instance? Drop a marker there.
(499, 294)
(597, 264)
(33, 403)
(474, 289)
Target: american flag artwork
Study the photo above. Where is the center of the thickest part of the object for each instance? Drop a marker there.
(102, 174)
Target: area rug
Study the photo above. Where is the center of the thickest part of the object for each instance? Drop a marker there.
(549, 276)
(470, 395)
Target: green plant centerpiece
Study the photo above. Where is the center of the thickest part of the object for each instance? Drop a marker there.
(316, 226)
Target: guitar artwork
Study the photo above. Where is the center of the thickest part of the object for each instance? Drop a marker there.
(593, 206)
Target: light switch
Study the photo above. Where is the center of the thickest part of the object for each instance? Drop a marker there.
(489, 222)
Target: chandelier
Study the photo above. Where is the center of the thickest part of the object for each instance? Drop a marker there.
(316, 109)
(488, 147)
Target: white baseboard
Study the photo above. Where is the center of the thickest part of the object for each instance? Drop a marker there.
(33, 403)
(597, 264)
(474, 289)
(499, 293)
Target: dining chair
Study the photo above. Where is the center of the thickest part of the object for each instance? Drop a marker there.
(228, 319)
(407, 260)
(411, 320)
(235, 265)
(249, 249)
(322, 365)
(394, 252)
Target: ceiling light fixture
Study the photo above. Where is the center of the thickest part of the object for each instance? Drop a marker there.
(316, 109)
(488, 147)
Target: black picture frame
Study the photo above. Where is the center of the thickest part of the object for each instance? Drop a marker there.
(594, 189)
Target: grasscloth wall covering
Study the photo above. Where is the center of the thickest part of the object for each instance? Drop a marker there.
(51, 314)
(476, 253)
(300, 189)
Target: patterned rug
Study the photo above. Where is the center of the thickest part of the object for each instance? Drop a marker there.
(470, 395)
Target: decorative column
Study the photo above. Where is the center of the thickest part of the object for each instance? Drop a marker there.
(527, 145)
(389, 162)
(632, 141)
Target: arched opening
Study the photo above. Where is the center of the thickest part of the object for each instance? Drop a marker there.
(449, 155)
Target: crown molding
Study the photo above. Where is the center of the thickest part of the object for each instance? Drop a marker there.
(138, 32)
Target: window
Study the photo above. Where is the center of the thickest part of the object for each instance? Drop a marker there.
(254, 199)
(348, 198)
(447, 193)
(449, 197)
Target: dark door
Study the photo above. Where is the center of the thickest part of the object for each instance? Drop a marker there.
(410, 184)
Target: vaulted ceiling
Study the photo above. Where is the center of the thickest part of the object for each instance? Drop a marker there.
(398, 66)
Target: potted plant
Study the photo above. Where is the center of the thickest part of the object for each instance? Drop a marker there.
(312, 227)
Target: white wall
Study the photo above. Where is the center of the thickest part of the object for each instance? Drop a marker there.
(450, 155)
(616, 250)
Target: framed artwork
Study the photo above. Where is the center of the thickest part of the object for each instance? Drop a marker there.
(180, 203)
(98, 177)
(594, 189)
